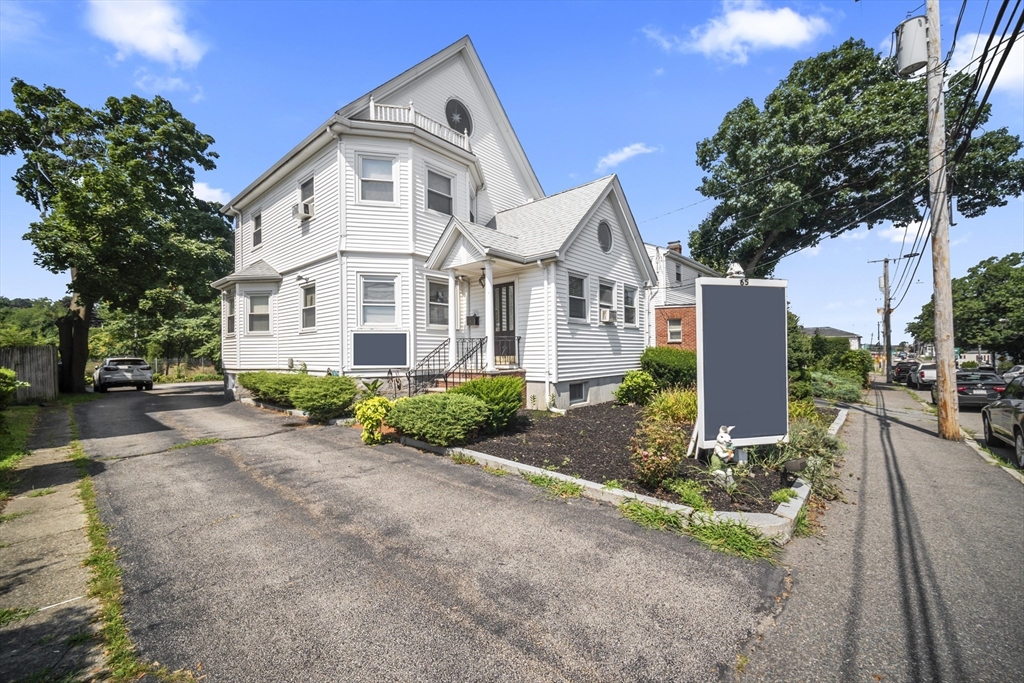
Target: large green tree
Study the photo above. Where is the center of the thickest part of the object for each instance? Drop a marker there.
(114, 191)
(988, 308)
(840, 143)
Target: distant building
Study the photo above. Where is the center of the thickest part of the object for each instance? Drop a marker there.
(672, 320)
(833, 332)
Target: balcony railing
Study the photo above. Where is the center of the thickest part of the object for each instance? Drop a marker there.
(397, 114)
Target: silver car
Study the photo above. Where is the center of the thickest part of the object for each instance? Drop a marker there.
(122, 372)
(1004, 418)
(1015, 371)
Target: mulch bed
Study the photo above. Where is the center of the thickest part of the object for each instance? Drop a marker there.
(591, 442)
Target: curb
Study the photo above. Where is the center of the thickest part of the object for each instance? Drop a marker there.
(777, 526)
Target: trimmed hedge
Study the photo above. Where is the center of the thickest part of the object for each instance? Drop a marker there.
(835, 387)
(503, 396)
(273, 387)
(323, 398)
(670, 367)
(447, 419)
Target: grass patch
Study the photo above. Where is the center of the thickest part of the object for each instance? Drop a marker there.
(652, 516)
(18, 423)
(39, 493)
(690, 492)
(741, 663)
(784, 495)
(734, 538)
(205, 441)
(802, 526)
(463, 459)
(610, 484)
(80, 638)
(562, 489)
(9, 615)
(496, 471)
(14, 515)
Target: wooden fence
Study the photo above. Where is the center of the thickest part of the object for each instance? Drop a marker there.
(36, 365)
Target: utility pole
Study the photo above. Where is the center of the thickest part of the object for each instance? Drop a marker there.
(949, 424)
(886, 312)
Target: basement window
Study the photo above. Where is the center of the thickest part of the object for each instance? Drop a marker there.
(577, 392)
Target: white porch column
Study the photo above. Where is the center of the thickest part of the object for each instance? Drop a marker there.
(453, 310)
(489, 312)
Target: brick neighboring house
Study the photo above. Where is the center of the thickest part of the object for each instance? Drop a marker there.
(672, 319)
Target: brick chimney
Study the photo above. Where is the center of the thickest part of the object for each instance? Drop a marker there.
(675, 246)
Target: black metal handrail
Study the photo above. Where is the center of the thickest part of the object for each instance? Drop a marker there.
(471, 360)
(430, 369)
(506, 348)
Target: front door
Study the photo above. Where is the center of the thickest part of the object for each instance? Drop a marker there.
(505, 324)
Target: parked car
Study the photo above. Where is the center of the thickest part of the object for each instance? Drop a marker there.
(1015, 371)
(974, 388)
(900, 370)
(921, 376)
(1004, 418)
(122, 372)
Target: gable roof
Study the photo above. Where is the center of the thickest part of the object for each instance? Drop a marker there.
(261, 271)
(543, 229)
(829, 332)
(654, 251)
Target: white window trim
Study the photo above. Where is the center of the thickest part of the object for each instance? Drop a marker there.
(635, 306)
(303, 307)
(298, 189)
(585, 297)
(270, 312)
(668, 331)
(444, 283)
(230, 312)
(426, 189)
(397, 278)
(256, 214)
(359, 178)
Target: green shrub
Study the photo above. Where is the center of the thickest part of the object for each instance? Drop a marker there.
(800, 389)
(834, 387)
(806, 410)
(502, 395)
(9, 384)
(447, 419)
(323, 398)
(637, 387)
(670, 367)
(370, 414)
(969, 365)
(273, 387)
(656, 450)
(860, 363)
(673, 405)
(811, 440)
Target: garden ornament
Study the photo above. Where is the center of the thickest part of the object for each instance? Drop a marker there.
(723, 444)
(735, 270)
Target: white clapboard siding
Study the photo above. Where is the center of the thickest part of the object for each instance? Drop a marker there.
(287, 241)
(229, 342)
(319, 348)
(431, 93)
(374, 226)
(430, 224)
(398, 266)
(257, 351)
(595, 349)
(530, 317)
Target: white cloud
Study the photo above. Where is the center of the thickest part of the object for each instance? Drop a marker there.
(153, 29)
(659, 72)
(971, 46)
(159, 84)
(210, 194)
(858, 234)
(905, 235)
(811, 252)
(18, 24)
(744, 26)
(615, 158)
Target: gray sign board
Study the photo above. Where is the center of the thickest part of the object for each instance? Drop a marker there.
(742, 378)
(379, 349)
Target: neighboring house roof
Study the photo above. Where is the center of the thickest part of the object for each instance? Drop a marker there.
(829, 332)
(543, 229)
(261, 271)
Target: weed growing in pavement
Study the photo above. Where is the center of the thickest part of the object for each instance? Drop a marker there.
(741, 663)
(733, 538)
(496, 471)
(690, 492)
(783, 495)
(610, 484)
(554, 468)
(562, 489)
(652, 516)
(80, 638)
(463, 459)
(13, 516)
(39, 493)
(9, 615)
(802, 526)
(205, 441)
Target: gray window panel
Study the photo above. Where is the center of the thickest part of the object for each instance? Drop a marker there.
(629, 305)
(604, 237)
(577, 392)
(376, 191)
(439, 193)
(309, 306)
(379, 291)
(259, 322)
(439, 183)
(378, 315)
(437, 306)
(576, 285)
(578, 309)
(257, 230)
(306, 190)
(607, 295)
(379, 349)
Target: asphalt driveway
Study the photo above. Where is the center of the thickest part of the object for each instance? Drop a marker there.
(287, 553)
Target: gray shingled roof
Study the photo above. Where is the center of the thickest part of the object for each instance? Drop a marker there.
(261, 271)
(829, 332)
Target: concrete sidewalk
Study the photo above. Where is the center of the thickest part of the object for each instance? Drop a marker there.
(917, 576)
(42, 548)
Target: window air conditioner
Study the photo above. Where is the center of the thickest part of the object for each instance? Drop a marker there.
(608, 315)
(302, 211)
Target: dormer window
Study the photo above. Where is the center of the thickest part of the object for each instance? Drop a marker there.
(439, 193)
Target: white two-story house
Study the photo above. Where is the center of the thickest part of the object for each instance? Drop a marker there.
(409, 234)
(672, 305)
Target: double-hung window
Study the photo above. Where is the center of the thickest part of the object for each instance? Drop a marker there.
(229, 309)
(257, 230)
(378, 304)
(679, 272)
(606, 296)
(439, 193)
(259, 313)
(309, 307)
(675, 331)
(306, 195)
(437, 304)
(577, 297)
(629, 305)
(376, 180)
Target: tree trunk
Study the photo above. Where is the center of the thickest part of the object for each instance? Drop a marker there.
(65, 349)
(74, 343)
(749, 267)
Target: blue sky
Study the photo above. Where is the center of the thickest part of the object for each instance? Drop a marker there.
(590, 88)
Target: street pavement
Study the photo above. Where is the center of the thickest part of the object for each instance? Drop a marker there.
(295, 553)
(970, 420)
(917, 576)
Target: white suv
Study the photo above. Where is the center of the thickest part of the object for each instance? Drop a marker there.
(122, 372)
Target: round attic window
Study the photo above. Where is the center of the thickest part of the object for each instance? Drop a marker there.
(604, 237)
(457, 115)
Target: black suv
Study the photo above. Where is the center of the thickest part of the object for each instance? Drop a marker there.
(902, 369)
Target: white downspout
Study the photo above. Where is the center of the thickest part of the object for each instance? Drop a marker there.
(550, 328)
(342, 198)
